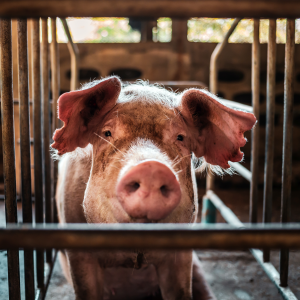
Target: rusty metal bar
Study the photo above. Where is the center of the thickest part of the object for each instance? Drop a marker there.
(55, 95)
(269, 269)
(150, 8)
(270, 128)
(287, 141)
(74, 53)
(25, 150)
(7, 117)
(150, 236)
(46, 126)
(41, 293)
(37, 133)
(255, 130)
(213, 82)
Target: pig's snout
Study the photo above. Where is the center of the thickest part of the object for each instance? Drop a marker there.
(149, 191)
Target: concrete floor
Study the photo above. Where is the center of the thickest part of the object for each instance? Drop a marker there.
(232, 275)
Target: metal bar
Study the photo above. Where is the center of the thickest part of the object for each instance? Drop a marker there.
(74, 53)
(41, 293)
(270, 128)
(37, 133)
(226, 212)
(209, 213)
(244, 172)
(46, 126)
(150, 8)
(213, 82)
(25, 150)
(255, 130)
(287, 141)
(55, 95)
(149, 236)
(7, 117)
(272, 273)
(269, 269)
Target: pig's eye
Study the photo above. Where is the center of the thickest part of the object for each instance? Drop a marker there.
(107, 133)
(179, 137)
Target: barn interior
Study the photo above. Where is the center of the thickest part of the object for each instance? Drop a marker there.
(177, 53)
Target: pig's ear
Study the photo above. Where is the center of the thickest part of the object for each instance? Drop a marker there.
(218, 131)
(81, 111)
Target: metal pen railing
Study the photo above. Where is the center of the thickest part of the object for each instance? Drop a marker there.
(211, 202)
(85, 236)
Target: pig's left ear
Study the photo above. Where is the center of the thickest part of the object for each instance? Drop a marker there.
(217, 130)
(81, 111)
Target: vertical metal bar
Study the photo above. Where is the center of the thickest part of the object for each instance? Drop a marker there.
(7, 117)
(269, 148)
(55, 95)
(37, 134)
(74, 53)
(287, 142)
(213, 81)
(25, 150)
(209, 212)
(255, 130)
(46, 124)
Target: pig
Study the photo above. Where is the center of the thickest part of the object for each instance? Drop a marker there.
(129, 154)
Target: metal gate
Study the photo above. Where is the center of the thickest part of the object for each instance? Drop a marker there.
(41, 234)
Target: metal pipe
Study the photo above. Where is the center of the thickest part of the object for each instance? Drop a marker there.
(287, 141)
(74, 53)
(46, 126)
(226, 212)
(150, 236)
(272, 273)
(25, 150)
(255, 130)
(8, 144)
(269, 269)
(55, 95)
(37, 133)
(150, 8)
(213, 81)
(244, 172)
(41, 293)
(270, 128)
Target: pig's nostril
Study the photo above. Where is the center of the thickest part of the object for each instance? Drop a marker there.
(132, 187)
(165, 191)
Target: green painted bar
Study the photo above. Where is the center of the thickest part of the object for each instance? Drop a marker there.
(209, 211)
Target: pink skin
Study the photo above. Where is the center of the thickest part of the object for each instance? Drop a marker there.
(152, 135)
(149, 191)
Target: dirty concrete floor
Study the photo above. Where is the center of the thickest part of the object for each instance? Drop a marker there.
(232, 275)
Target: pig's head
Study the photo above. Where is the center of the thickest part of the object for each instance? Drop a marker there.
(142, 140)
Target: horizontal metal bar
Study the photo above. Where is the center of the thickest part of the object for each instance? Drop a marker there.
(150, 8)
(148, 236)
(237, 105)
(269, 269)
(272, 273)
(244, 172)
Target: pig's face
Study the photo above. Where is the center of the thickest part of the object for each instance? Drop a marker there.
(142, 142)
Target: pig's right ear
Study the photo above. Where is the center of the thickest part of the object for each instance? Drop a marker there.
(81, 111)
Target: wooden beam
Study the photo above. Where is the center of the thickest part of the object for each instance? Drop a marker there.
(151, 8)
